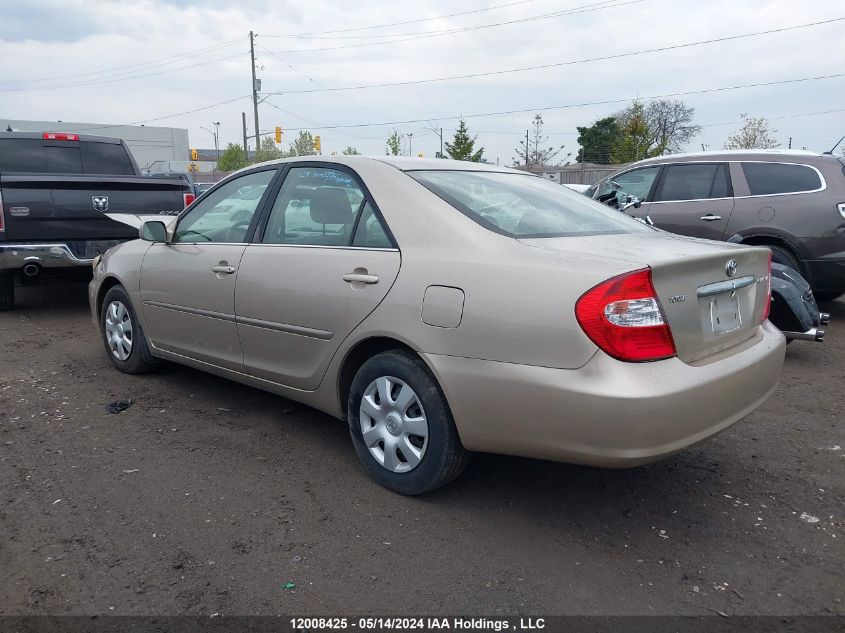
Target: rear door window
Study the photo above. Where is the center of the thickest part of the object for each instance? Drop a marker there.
(694, 181)
(765, 179)
(106, 158)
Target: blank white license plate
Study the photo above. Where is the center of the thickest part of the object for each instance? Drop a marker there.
(724, 313)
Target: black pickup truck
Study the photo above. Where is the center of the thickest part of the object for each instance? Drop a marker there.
(55, 189)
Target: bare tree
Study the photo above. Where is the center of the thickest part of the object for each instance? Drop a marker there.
(531, 151)
(754, 134)
(669, 122)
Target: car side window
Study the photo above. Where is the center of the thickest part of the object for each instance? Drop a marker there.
(693, 181)
(637, 182)
(316, 206)
(224, 215)
(770, 178)
(370, 232)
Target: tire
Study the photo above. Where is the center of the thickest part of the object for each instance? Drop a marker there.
(123, 336)
(430, 461)
(7, 291)
(781, 255)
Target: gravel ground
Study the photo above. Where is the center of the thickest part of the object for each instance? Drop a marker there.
(210, 497)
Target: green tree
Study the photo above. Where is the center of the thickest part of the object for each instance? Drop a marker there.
(267, 151)
(232, 158)
(394, 143)
(351, 151)
(531, 151)
(663, 126)
(597, 141)
(636, 140)
(462, 146)
(303, 145)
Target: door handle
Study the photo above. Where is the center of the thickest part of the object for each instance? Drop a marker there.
(361, 278)
(710, 217)
(222, 269)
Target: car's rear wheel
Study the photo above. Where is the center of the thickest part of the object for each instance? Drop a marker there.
(7, 291)
(781, 255)
(123, 335)
(401, 425)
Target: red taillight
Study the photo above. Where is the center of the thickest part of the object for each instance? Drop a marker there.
(624, 318)
(60, 136)
(188, 198)
(767, 305)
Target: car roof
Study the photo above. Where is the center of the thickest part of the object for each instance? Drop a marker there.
(772, 155)
(402, 163)
(40, 136)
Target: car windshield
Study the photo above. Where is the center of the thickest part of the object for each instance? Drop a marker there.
(520, 205)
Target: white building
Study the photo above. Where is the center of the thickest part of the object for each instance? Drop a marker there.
(154, 148)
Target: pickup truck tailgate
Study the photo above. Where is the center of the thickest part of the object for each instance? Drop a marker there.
(63, 207)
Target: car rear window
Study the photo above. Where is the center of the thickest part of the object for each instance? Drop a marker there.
(37, 156)
(770, 178)
(105, 158)
(523, 206)
(694, 181)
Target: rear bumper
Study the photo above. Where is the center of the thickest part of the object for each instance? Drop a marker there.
(607, 413)
(16, 256)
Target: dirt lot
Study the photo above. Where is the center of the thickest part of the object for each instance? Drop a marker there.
(209, 497)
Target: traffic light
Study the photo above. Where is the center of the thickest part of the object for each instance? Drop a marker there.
(317, 147)
(194, 154)
(278, 135)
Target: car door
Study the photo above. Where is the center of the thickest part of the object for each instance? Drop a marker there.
(323, 262)
(693, 199)
(188, 283)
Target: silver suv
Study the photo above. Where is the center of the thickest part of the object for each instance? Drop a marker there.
(792, 201)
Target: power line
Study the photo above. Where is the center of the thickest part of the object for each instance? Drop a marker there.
(166, 116)
(415, 21)
(598, 6)
(118, 78)
(565, 63)
(160, 61)
(589, 103)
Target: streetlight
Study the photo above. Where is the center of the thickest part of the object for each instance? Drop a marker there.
(214, 133)
(410, 143)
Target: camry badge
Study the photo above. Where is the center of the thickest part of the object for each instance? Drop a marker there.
(100, 203)
(730, 267)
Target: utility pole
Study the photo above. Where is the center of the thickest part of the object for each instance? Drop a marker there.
(441, 142)
(254, 88)
(216, 144)
(410, 143)
(246, 145)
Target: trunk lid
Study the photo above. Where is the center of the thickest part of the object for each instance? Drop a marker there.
(707, 309)
(46, 207)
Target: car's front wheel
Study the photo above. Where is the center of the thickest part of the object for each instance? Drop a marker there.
(401, 425)
(123, 336)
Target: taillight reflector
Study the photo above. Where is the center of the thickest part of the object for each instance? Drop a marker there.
(623, 316)
(767, 305)
(60, 136)
(188, 198)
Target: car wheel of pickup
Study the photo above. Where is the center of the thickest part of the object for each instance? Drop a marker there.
(7, 291)
(123, 336)
(401, 425)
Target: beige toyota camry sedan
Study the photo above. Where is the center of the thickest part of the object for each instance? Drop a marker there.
(445, 307)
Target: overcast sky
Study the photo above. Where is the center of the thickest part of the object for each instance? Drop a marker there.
(138, 61)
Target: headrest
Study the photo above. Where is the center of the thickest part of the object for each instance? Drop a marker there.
(330, 205)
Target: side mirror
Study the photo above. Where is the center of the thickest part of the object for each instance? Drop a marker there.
(153, 231)
(632, 201)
